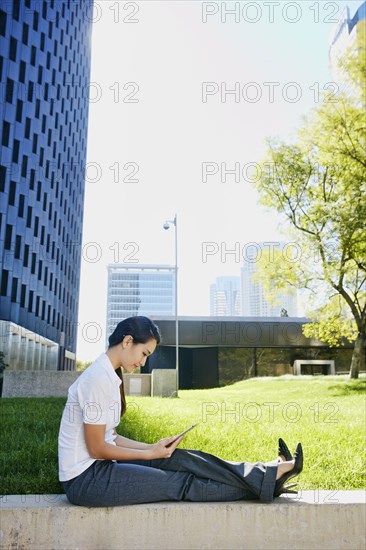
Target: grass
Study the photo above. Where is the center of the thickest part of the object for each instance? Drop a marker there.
(238, 422)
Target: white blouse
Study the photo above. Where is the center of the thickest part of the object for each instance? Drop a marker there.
(94, 398)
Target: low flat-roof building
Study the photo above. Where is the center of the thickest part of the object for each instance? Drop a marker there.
(215, 351)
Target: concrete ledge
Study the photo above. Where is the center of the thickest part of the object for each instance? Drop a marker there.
(46, 383)
(331, 520)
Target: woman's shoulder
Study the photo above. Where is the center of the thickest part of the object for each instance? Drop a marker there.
(93, 374)
(96, 368)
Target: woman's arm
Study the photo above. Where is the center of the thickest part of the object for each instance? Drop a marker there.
(98, 448)
(122, 441)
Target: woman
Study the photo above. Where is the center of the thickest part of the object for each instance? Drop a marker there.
(98, 467)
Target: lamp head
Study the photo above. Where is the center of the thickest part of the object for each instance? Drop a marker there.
(166, 225)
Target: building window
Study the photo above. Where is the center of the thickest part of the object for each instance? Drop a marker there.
(24, 166)
(19, 112)
(27, 127)
(18, 242)
(36, 226)
(13, 49)
(21, 206)
(35, 20)
(16, 8)
(15, 156)
(23, 294)
(29, 216)
(30, 90)
(22, 67)
(33, 56)
(33, 266)
(32, 178)
(30, 301)
(2, 22)
(25, 34)
(39, 190)
(2, 177)
(8, 236)
(35, 143)
(6, 134)
(4, 282)
(40, 74)
(14, 289)
(12, 192)
(9, 90)
(26, 255)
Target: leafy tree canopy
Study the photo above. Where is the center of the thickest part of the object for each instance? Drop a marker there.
(318, 183)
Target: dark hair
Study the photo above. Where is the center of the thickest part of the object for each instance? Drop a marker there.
(142, 329)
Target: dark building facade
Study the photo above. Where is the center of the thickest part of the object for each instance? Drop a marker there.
(45, 73)
(217, 351)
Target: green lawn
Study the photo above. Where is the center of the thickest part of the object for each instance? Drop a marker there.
(238, 422)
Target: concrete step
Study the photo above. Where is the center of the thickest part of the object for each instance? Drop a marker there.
(330, 520)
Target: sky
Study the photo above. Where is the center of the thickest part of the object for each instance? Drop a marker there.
(183, 95)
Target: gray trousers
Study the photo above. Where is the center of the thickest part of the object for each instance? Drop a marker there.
(187, 475)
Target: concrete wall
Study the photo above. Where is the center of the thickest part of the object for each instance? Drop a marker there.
(38, 384)
(164, 383)
(330, 520)
(137, 384)
(57, 383)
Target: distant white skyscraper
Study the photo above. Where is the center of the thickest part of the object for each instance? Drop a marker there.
(139, 290)
(254, 303)
(225, 297)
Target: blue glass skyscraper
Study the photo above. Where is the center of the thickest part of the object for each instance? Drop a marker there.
(45, 71)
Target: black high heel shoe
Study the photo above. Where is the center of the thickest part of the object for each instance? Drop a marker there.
(280, 488)
(284, 450)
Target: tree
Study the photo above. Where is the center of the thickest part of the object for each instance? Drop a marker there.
(318, 183)
(82, 365)
(3, 365)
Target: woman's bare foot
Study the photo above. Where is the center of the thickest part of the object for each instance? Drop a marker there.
(284, 467)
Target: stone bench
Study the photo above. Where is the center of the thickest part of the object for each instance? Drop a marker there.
(311, 520)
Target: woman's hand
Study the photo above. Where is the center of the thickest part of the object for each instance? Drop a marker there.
(160, 449)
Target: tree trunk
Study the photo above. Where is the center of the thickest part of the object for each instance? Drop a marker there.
(358, 357)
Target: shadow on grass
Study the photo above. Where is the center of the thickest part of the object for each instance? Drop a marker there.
(348, 388)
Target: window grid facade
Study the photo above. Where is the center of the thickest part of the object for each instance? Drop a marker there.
(144, 290)
(45, 72)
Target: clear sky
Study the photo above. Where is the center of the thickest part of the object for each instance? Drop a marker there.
(164, 127)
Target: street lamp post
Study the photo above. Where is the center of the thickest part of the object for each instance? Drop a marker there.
(166, 226)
